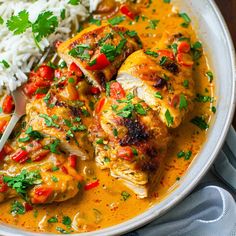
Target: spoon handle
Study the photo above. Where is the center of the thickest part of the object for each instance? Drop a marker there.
(15, 118)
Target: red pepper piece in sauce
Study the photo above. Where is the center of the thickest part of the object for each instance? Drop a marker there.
(166, 53)
(20, 156)
(45, 72)
(126, 153)
(100, 105)
(28, 207)
(184, 59)
(184, 47)
(116, 91)
(41, 195)
(8, 104)
(3, 124)
(3, 186)
(92, 185)
(64, 170)
(124, 9)
(101, 63)
(95, 90)
(75, 69)
(73, 161)
(39, 96)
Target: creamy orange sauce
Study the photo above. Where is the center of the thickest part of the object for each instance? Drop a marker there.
(103, 206)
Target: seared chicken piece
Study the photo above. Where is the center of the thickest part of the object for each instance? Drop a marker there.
(61, 120)
(131, 141)
(162, 78)
(51, 179)
(100, 51)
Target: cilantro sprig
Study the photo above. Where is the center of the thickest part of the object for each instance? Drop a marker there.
(45, 24)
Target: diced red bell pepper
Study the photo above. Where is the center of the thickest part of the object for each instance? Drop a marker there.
(92, 185)
(3, 186)
(116, 91)
(41, 155)
(184, 47)
(95, 90)
(28, 207)
(75, 69)
(124, 9)
(73, 161)
(64, 170)
(40, 96)
(30, 88)
(101, 63)
(175, 101)
(100, 105)
(8, 104)
(126, 153)
(20, 156)
(166, 53)
(184, 59)
(45, 72)
(3, 124)
(41, 195)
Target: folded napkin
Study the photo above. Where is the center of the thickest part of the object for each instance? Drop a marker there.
(211, 209)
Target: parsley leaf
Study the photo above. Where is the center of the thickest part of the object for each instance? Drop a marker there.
(17, 208)
(74, 2)
(183, 104)
(23, 181)
(200, 122)
(169, 118)
(53, 220)
(125, 195)
(116, 20)
(20, 23)
(45, 25)
(66, 220)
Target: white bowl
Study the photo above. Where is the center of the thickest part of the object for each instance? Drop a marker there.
(214, 34)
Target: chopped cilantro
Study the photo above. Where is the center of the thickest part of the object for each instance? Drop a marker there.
(183, 104)
(158, 95)
(151, 53)
(186, 83)
(17, 208)
(125, 195)
(74, 2)
(95, 21)
(153, 24)
(66, 220)
(49, 121)
(169, 118)
(186, 18)
(163, 60)
(116, 20)
(53, 219)
(115, 132)
(200, 122)
(210, 76)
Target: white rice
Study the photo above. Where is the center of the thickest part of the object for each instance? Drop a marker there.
(20, 51)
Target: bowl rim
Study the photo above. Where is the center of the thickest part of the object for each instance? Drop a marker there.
(150, 214)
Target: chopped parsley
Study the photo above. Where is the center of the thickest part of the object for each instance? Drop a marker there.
(186, 83)
(125, 195)
(213, 109)
(153, 24)
(23, 181)
(53, 219)
(49, 121)
(158, 95)
(95, 21)
(17, 208)
(152, 53)
(200, 122)
(115, 132)
(169, 118)
(186, 19)
(5, 64)
(183, 104)
(74, 2)
(66, 221)
(210, 76)
(163, 60)
(53, 147)
(116, 20)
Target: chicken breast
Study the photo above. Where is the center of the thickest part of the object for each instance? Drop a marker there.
(131, 141)
(61, 120)
(162, 77)
(100, 51)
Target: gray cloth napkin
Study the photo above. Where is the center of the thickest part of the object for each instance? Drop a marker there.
(211, 209)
